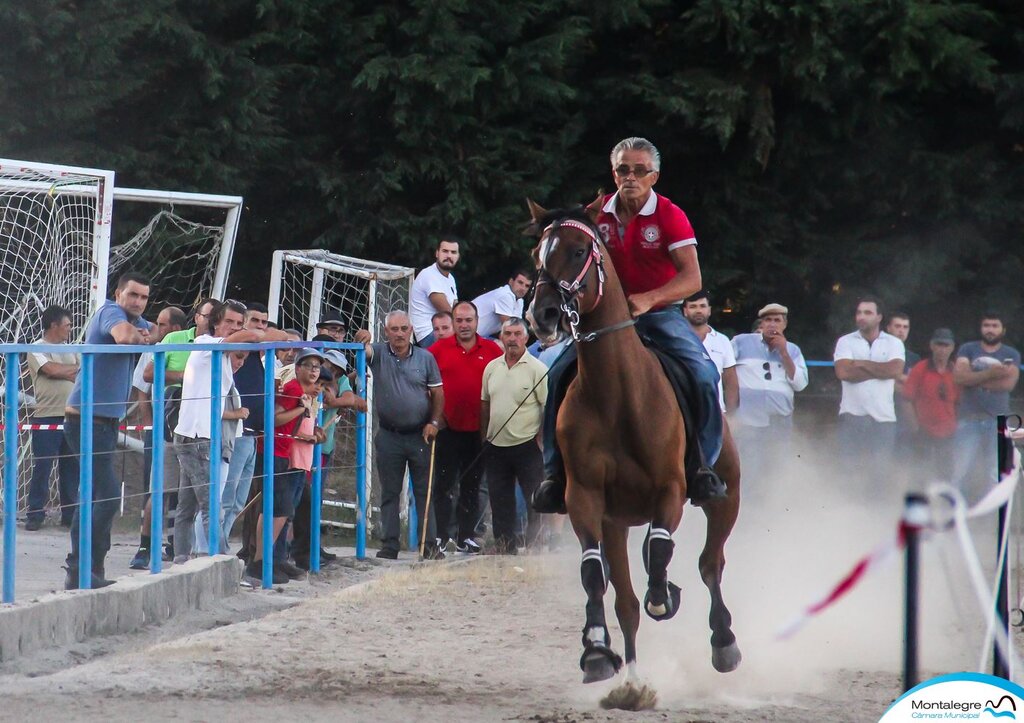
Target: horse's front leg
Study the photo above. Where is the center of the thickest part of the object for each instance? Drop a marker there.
(586, 510)
(662, 599)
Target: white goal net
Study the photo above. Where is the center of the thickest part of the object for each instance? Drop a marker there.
(67, 233)
(304, 286)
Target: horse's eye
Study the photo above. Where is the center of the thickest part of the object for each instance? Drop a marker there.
(580, 252)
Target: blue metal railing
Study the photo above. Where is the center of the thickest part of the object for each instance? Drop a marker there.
(11, 354)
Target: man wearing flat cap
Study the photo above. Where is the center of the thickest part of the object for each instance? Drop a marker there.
(770, 369)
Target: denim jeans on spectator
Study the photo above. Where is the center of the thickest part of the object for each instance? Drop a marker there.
(974, 456)
(394, 451)
(427, 341)
(194, 491)
(865, 452)
(673, 333)
(200, 541)
(238, 481)
(106, 488)
(49, 446)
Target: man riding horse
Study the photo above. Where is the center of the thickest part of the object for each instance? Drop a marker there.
(652, 245)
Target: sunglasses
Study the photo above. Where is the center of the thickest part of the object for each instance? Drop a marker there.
(312, 367)
(623, 171)
(767, 370)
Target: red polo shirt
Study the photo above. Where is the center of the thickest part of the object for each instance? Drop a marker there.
(934, 395)
(462, 374)
(640, 251)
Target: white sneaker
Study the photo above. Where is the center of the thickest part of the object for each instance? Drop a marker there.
(468, 546)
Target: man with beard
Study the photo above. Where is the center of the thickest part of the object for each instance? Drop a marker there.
(986, 371)
(867, 362)
(697, 310)
(434, 290)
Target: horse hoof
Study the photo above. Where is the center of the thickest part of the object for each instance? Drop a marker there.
(726, 659)
(599, 663)
(666, 610)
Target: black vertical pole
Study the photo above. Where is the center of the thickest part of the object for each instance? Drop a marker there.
(1004, 462)
(915, 516)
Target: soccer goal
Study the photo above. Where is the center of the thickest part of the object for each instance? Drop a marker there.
(67, 233)
(304, 285)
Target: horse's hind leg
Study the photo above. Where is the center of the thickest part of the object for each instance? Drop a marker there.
(599, 661)
(662, 599)
(721, 514)
(627, 607)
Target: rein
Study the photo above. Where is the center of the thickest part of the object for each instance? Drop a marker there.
(569, 291)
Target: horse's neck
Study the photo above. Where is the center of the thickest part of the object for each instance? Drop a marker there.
(612, 352)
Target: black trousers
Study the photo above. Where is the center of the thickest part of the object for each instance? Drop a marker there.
(459, 469)
(505, 466)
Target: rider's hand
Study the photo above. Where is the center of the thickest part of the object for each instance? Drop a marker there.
(639, 304)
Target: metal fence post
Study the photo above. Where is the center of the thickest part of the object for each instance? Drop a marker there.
(414, 537)
(1004, 463)
(362, 429)
(316, 494)
(85, 475)
(12, 369)
(915, 516)
(268, 470)
(213, 513)
(156, 476)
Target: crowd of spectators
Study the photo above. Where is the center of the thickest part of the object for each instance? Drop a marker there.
(460, 400)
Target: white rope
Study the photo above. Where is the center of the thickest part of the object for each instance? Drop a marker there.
(1000, 495)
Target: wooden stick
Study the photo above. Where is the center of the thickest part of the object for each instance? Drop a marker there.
(424, 516)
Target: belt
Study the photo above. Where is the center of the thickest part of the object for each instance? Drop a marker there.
(400, 430)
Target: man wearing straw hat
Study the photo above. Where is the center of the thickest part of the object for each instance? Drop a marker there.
(410, 403)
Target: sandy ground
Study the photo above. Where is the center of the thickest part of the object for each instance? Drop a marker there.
(498, 639)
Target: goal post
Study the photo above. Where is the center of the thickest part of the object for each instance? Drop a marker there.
(67, 233)
(305, 285)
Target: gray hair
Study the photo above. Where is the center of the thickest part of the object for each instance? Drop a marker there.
(635, 143)
(395, 312)
(514, 321)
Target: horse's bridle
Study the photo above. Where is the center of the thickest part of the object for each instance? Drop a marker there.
(570, 291)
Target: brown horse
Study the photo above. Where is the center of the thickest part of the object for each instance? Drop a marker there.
(622, 436)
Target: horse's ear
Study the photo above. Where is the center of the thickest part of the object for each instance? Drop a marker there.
(536, 212)
(595, 206)
(533, 228)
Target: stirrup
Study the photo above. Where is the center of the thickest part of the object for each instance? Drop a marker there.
(707, 485)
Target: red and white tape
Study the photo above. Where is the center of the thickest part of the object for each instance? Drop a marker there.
(59, 427)
(997, 497)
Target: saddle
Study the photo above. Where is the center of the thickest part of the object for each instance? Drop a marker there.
(685, 388)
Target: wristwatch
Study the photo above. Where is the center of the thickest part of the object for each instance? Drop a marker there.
(435, 422)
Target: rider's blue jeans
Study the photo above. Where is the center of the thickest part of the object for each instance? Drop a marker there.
(671, 331)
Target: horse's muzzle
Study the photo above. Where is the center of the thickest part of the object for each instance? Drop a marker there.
(544, 321)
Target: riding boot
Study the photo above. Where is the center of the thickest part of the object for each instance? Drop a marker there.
(549, 497)
(706, 485)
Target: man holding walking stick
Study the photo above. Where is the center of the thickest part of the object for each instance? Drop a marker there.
(410, 402)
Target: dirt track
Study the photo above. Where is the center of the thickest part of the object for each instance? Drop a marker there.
(496, 639)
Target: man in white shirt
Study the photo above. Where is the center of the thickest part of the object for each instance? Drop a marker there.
(501, 304)
(868, 362)
(192, 435)
(697, 310)
(434, 290)
(769, 368)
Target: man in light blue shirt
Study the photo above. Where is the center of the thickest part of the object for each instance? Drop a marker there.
(770, 370)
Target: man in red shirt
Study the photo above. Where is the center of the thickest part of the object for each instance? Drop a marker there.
(651, 243)
(461, 359)
(933, 395)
